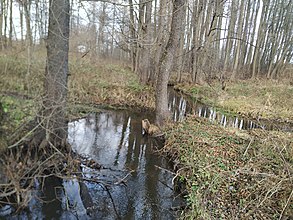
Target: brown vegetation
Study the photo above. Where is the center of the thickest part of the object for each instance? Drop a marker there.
(150, 129)
(267, 99)
(232, 174)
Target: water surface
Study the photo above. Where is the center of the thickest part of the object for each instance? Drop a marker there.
(134, 183)
(180, 105)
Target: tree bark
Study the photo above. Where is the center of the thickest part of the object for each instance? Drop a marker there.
(1, 24)
(21, 23)
(133, 43)
(229, 44)
(145, 62)
(239, 42)
(10, 22)
(53, 117)
(102, 23)
(166, 62)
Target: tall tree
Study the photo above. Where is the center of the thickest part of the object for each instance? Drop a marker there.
(29, 38)
(21, 23)
(1, 23)
(53, 117)
(10, 22)
(238, 41)
(133, 43)
(102, 17)
(166, 62)
(145, 62)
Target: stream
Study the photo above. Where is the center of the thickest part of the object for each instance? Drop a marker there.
(134, 182)
(113, 139)
(181, 105)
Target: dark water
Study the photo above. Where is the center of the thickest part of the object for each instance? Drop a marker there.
(180, 105)
(113, 139)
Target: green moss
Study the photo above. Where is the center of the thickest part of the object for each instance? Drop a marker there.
(16, 110)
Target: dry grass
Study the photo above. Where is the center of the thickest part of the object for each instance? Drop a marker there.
(233, 174)
(108, 84)
(255, 98)
(91, 81)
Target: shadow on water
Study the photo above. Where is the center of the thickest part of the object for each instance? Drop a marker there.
(180, 105)
(134, 183)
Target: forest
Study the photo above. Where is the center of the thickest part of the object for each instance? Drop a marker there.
(146, 109)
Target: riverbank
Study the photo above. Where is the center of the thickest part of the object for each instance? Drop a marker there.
(232, 174)
(259, 99)
(227, 172)
(106, 84)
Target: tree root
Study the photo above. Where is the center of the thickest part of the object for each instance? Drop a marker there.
(36, 157)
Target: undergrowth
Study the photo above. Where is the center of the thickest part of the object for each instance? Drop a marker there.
(108, 84)
(233, 174)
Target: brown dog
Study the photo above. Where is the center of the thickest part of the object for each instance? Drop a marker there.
(150, 129)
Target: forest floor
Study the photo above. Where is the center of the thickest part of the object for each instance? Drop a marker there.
(232, 174)
(227, 172)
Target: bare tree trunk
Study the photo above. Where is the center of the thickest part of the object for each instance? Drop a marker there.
(10, 22)
(252, 48)
(139, 35)
(160, 38)
(54, 122)
(145, 62)
(5, 7)
(29, 41)
(21, 23)
(220, 10)
(259, 41)
(1, 24)
(93, 33)
(239, 36)
(197, 20)
(180, 62)
(133, 43)
(166, 62)
(245, 33)
(113, 31)
(102, 23)
(229, 44)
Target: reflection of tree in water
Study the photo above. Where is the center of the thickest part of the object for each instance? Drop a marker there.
(113, 139)
(124, 135)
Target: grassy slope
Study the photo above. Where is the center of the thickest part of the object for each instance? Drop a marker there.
(258, 99)
(108, 84)
(233, 174)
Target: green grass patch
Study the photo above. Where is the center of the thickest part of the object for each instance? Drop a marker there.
(17, 109)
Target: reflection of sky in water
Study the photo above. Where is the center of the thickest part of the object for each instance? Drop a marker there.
(82, 135)
(113, 139)
(104, 138)
(179, 106)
